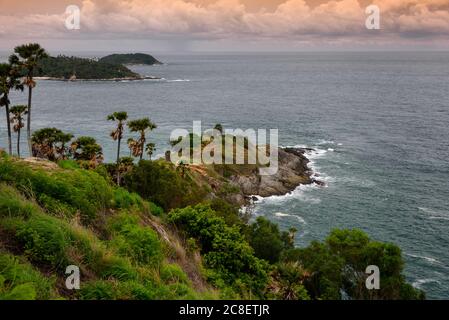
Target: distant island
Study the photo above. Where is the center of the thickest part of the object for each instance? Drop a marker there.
(130, 59)
(66, 68)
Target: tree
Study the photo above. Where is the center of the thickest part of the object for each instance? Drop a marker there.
(150, 149)
(267, 240)
(17, 121)
(50, 143)
(27, 57)
(141, 126)
(338, 266)
(9, 80)
(287, 282)
(117, 134)
(87, 149)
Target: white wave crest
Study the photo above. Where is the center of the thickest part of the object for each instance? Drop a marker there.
(434, 214)
(420, 282)
(282, 215)
(428, 259)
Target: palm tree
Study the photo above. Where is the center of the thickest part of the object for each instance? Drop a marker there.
(88, 150)
(17, 121)
(9, 80)
(51, 144)
(117, 134)
(150, 149)
(141, 125)
(27, 57)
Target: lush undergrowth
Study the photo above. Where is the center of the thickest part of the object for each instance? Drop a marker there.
(52, 218)
(171, 239)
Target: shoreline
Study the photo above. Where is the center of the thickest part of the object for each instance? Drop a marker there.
(102, 80)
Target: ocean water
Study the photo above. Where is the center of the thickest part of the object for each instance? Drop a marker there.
(379, 123)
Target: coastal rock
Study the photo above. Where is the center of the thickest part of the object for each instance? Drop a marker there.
(293, 171)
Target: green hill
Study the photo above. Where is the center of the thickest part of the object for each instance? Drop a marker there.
(131, 58)
(169, 242)
(64, 67)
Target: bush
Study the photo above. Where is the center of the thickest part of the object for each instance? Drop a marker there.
(13, 204)
(172, 273)
(155, 210)
(126, 200)
(340, 263)
(83, 190)
(225, 250)
(99, 290)
(267, 241)
(43, 240)
(158, 182)
(19, 280)
(139, 243)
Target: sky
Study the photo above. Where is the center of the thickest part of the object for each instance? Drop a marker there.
(226, 25)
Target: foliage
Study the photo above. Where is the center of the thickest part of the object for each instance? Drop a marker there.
(20, 281)
(225, 250)
(65, 67)
(83, 190)
(340, 262)
(136, 58)
(51, 144)
(87, 149)
(266, 239)
(141, 126)
(141, 244)
(158, 182)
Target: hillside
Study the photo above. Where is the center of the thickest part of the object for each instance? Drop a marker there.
(63, 67)
(177, 239)
(130, 59)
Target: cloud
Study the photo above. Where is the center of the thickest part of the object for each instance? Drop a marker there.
(230, 19)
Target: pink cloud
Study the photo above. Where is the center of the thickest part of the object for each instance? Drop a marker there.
(229, 19)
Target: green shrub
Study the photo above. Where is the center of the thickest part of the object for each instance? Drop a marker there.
(98, 290)
(56, 207)
(117, 268)
(172, 273)
(21, 281)
(267, 240)
(126, 200)
(159, 182)
(13, 204)
(155, 210)
(339, 263)
(43, 240)
(82, 190)
(68, 164)
(224, 248)
(139, 243)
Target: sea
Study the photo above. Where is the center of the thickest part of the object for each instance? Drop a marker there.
(378, 123)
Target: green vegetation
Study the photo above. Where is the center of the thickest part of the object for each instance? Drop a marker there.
(26, 59)
(80, 68)
(121, 255)
(171, 232)
(140, 126)
(159, 182)
(136, 58)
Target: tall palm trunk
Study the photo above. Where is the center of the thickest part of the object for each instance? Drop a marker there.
(8, 120)
(118, 150)
(18, 142)
(30, 147)
(142, 146)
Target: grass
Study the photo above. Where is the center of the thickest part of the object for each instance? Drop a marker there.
(57, 216)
